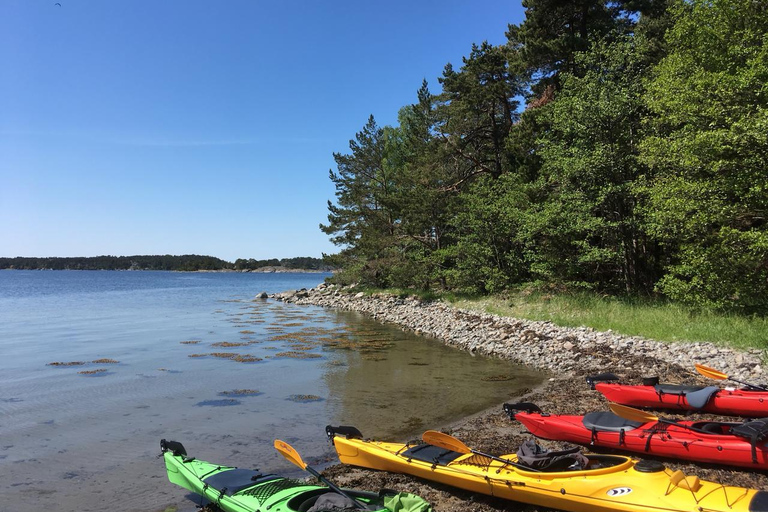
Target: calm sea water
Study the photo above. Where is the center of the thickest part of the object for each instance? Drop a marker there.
(97, 367)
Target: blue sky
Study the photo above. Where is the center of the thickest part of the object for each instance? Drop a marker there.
(190, 127)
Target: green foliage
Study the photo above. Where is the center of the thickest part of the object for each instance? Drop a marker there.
(709, 198)
(363, 220)
(486, 256)
(555, 33)
(585, 227)
(478, 110)
(638, 165)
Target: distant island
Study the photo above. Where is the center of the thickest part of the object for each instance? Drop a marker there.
(184, 263)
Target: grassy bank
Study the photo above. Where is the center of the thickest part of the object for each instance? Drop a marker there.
(657, 320)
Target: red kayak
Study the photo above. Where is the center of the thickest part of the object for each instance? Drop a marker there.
(701, 441)
(729, 401)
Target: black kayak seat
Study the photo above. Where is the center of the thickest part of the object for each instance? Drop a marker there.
(754, 430)
(715, 427)
(235, 480)
(608, 422)
(431, 454)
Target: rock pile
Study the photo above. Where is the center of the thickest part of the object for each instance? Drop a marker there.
(542, 345)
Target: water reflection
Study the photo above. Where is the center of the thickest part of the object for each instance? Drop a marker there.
(397, 383)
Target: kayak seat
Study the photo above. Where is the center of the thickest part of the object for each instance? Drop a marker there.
(697, 396)
(715, 427)
(608, 422)
(431, 454)
(305, 500)
(532, 455)
(235, 480)
(327, 501)
(676, 389)
(699, 399)
(756, 431)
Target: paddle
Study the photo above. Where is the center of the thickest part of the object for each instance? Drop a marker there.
(717, 375)
(293, 456)
(631, 414)
(449, 442)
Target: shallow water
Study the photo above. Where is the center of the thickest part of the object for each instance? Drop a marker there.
(78, 437)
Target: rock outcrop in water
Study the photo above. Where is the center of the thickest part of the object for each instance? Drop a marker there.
(541, 345)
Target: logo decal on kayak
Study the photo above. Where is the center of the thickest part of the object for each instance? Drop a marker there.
(619, 491)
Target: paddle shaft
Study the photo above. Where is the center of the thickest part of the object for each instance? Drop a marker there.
(718, 375)
(754, 386)
(644, 417)
(333, 486)
(687, 427)
(448, 442)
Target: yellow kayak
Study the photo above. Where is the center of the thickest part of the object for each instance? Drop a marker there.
(596, 483)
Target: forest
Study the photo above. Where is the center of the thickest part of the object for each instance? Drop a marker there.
(619, 147)
(187, 262)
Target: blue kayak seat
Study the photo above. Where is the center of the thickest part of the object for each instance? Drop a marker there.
(608, 422)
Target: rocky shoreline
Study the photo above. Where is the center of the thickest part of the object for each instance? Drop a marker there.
(541, 345)
(568, 354)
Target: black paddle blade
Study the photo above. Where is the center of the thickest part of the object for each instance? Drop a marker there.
(346, 431)
(528, 407)
(601, 377)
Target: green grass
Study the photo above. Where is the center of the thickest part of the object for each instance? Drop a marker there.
(656, 320)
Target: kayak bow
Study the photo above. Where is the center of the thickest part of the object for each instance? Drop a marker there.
(245, 490)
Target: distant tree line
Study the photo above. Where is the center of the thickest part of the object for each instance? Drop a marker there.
(638, 163)
(301, 263)
(188, 262)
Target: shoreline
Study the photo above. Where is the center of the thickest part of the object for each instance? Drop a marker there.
(541, 345)
(261, 270)
(568, 354)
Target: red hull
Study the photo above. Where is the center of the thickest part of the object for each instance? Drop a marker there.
(737, 402)
(665, 440)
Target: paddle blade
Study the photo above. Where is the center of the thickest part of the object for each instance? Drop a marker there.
(444, 441)
(629, 413)
(710, 372)
(289, 453)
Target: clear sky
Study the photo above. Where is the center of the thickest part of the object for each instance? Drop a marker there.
(190, 127)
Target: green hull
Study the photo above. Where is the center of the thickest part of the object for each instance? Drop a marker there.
(241, 490)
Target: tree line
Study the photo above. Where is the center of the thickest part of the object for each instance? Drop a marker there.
(188, 263)
(618, 146)
(300, 263)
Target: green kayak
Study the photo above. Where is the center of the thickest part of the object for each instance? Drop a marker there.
(246, 490)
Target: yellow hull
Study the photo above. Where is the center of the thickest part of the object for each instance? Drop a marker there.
(618, 487)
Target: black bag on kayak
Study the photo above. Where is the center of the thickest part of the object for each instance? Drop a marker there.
(755, 431)
(333, 502)
(536, 457)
